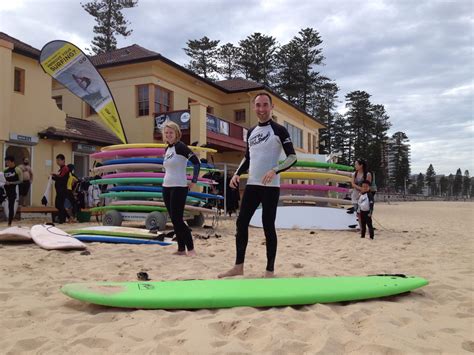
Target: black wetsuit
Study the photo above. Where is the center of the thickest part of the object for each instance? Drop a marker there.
(264, 145)
(12, 175)
(60, 184)
(366, 207)
(175, 189)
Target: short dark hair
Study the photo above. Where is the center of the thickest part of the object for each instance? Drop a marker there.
(365, 182)
(10, 158)
(60, 156)
(263, 94)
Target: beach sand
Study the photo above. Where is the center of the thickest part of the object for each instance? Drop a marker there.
(427, 239)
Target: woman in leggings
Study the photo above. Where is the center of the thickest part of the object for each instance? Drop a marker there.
(176, 186)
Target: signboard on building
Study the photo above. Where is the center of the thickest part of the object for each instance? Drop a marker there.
(20, 138)
(84, 148)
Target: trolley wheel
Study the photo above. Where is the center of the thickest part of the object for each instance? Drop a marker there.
(156, 220)
(112, 218)
(197, 221)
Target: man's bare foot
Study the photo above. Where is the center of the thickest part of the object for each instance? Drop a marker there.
(269, 274)
(179, 253)
(192, 253)
(235, 271)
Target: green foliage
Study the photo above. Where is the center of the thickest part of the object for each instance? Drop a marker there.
(457, 184)
(420, 183)
(228, 56)
(203, 53)
(430, 180)
(399, 160)
(110, 22)
(257, 60)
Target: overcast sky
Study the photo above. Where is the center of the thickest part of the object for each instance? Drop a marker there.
(415, 57)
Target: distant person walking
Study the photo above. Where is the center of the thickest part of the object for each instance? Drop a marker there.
(27, 181)
(60, 184)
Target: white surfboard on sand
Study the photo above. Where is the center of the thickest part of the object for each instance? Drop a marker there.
(15, 234)
(51, 238)
(308, 217)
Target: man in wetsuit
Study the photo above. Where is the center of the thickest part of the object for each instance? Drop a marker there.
(60, 184)
(13, 177)
(264, 145)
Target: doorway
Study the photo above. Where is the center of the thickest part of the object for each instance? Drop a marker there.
(81, 164)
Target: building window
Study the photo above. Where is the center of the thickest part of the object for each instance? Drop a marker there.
(19, 81)
(210, 110)
(90, 111)
(162, 100)
(143, 99)
(296, 135)
(239, 115)
(59, 101)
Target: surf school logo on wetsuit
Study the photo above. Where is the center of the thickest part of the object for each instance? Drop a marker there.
(259, 138)
(169, 156)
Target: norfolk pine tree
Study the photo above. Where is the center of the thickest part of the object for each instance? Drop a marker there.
(110, 22)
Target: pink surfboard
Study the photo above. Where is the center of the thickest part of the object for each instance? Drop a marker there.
(149, 175)
(315, 187)
(132, 152)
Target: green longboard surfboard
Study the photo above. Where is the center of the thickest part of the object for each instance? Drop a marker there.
(140, 181)
(140, 194)
(129, 208)
(115, 231)
(196, 294)
(317, 164)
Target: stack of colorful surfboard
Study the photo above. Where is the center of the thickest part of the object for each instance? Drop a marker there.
(134, 173)
(320, 189)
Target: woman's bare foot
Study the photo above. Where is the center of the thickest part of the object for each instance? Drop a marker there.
(269, 274)
(235, 271)
(179, 253)
(192, 253)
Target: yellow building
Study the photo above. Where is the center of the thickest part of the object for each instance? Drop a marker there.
(40, 119)
(31, 124)
(148, 88)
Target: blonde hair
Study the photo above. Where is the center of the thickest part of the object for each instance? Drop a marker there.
(174, 127)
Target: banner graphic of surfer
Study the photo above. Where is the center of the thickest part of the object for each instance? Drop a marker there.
(72, 68)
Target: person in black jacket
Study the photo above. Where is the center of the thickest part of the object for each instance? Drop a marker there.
(13, 177)
(60, 184)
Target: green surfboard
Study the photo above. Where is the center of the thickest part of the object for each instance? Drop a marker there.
(317, 164)
(225, 293)
(129, 208)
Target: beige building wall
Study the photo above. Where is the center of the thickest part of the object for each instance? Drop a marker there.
(123, 81)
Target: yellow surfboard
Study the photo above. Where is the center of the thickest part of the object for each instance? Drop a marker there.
(153, 145)
(305, 175)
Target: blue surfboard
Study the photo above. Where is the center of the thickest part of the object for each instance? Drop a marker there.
(118, 240)
(146, 161)
(160, 189)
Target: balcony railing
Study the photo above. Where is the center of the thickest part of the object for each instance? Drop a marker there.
(222, 134)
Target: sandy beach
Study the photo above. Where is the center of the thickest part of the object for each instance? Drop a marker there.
(428, 239)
